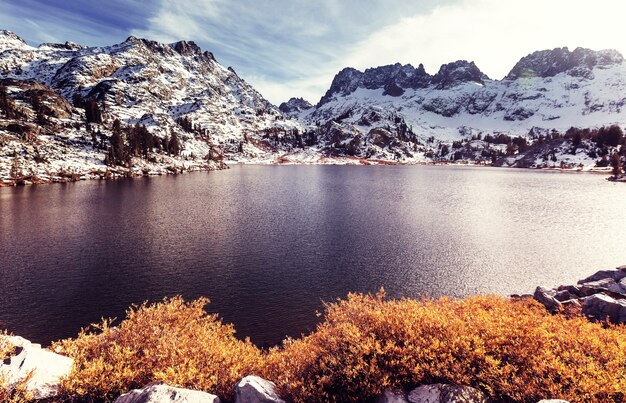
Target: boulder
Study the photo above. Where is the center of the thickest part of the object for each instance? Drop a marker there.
(616, 275)
(572, 290)
(601, 307)
(547, 298)
(392, 396)
(442, 393)
(253, 389)
(46, 367)
(161, 393)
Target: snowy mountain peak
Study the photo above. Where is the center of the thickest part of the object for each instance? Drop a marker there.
(61, 46)
(548, 63)
(9, 40)
(455, 73)
(393, 78)
(187, 48)
(295, 106)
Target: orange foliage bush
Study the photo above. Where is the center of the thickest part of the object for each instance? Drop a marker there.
(173, 341)
(511, 350)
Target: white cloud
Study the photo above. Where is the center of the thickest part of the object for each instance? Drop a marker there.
(294, 48)
(493, 33)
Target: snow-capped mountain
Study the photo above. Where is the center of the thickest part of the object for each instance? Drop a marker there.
(143, 107)
(417, 114)
(142, 82)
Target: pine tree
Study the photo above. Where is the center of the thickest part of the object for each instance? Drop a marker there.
(616, 163)
(118, 154)
(16, 168)
(174, 146)
(92, 111)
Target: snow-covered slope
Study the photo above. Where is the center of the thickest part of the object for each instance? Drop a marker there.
(546, 92)
(144, 82)
(64, 100)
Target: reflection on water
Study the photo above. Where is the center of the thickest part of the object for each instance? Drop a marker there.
(268, 243)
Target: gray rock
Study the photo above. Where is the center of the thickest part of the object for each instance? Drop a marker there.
(547, 298)
(573, 290)
(47, 368)
(572, 303)
(619, 287)
(442, 393)
(616, 275)
(601, 307)
(392, 396)
(253, 389)
(160, 393)
(564, 295)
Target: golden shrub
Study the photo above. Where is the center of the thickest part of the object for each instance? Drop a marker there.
(173, 341)
(511, 350)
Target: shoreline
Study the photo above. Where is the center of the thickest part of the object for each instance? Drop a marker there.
(111, 173)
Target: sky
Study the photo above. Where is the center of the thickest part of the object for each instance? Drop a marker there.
(293, 48)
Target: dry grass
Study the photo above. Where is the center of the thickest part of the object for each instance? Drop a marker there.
(512, 350)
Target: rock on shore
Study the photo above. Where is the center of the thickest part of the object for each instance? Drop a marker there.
(44, 367)
(601, 296)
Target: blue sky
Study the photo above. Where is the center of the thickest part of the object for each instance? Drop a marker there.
(294, 48)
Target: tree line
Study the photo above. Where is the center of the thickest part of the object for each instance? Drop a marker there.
(137, 141)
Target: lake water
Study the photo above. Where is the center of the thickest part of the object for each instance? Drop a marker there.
(267, 244)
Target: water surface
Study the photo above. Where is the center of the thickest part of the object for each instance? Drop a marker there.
(268, 243)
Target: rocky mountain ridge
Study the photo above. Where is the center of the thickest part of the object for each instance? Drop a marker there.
(545, 94)
(138, 82)
(389, 114)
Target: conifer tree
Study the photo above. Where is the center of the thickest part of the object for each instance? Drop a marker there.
(616, 163)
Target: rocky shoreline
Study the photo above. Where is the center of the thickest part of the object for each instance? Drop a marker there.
(601, 296)
(109, 174)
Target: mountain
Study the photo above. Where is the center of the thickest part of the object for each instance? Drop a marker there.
(402, 113)
(142, 107)
(173, 90)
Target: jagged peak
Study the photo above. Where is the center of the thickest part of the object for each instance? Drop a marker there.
(132, 38)
(11, 35)
(295, 105)
(550, 62)
(186, 48)
(455, 73)
(62, 46)
(9, 40)
(393, 78)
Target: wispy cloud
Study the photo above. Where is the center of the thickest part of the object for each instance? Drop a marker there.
(87, 22)
(285, 48)
(291, 48)
(493, 33)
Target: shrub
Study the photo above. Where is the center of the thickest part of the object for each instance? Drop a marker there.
(172, 341)
(512, 350)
